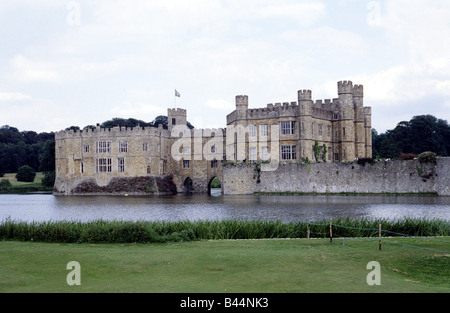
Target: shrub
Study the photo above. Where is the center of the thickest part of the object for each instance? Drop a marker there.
(5, 183)
(25, 174)
(427, 157)
(407, 156)
(363, 161)
(49, 179)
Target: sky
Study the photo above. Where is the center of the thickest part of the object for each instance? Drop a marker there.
(79, 63)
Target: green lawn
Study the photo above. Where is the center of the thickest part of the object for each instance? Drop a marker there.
(224, 266)
(14, 183)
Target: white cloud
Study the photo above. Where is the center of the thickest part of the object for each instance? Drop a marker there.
(125, 57)
(305, 13)
(27, 70)
(13, 96)
(219, 104)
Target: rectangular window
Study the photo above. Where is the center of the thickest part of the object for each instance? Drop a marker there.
(214, 164)
(185, 163)
(265, 153)
(328, 131)
(103, 147)
(288, 152)
(103, 165)
(343, 131)
(86, 149)
(287, 127)
(263, 130)
(145, 147)
(121, 165)
(252, 131)
(320, 129)
(252, 154)
(123, 146)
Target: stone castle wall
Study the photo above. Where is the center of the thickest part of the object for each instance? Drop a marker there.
(381, 177)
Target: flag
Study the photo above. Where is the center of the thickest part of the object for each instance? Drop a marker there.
(177, 94)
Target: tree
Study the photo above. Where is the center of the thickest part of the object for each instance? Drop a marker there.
(49, 179)
(26, 174)
(324, 153)
(47, 157)
(421, 133)
(317, 151)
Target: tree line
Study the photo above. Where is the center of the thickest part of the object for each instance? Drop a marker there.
(19, 148)
(422, 133)
(37, 150)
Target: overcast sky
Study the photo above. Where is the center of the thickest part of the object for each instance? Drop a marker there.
(65, 63)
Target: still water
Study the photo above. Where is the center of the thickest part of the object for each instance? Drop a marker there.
(46, 207)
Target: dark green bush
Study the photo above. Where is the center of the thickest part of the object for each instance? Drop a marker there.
(26, 173)
(5, 183)
(49, 179)
(427, 157)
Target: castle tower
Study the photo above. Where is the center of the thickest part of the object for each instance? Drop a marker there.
(368, 130)
(360, 133)
(242, 108)
(305, 106)
(176, 117)
(346, 126)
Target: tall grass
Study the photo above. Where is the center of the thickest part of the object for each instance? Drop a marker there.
(161, 231)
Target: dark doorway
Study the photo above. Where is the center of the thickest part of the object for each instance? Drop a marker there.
(188, 185)
(215, 187)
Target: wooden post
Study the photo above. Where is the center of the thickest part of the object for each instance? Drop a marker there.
(379, 237)
(307, 231)
(331, 231)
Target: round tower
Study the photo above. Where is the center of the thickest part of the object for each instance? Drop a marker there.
(360, 133)
(241, 107)
(346, 123)
(305, 101)
(305, 123)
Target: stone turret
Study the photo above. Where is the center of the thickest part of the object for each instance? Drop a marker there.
(360, 134)
(305, 101)
(241, 107)
(176, 117)
(346, 127)
(305, 104)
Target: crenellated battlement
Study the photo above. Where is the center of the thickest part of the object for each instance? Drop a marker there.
(304, 95)
(116, 131)
(177, 112)
(345, 87)
(242, 100)
(358, 91)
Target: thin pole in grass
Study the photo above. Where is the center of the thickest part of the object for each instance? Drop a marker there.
(331, 230)
(379, 237)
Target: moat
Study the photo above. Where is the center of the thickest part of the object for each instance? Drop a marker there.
(38, 207)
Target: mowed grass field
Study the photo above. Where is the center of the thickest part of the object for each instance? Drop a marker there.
(228, 266)
(14, 183)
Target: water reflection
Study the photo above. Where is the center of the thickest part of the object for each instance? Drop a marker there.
(219, 207)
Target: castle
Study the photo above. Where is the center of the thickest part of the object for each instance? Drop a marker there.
(288, 132)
